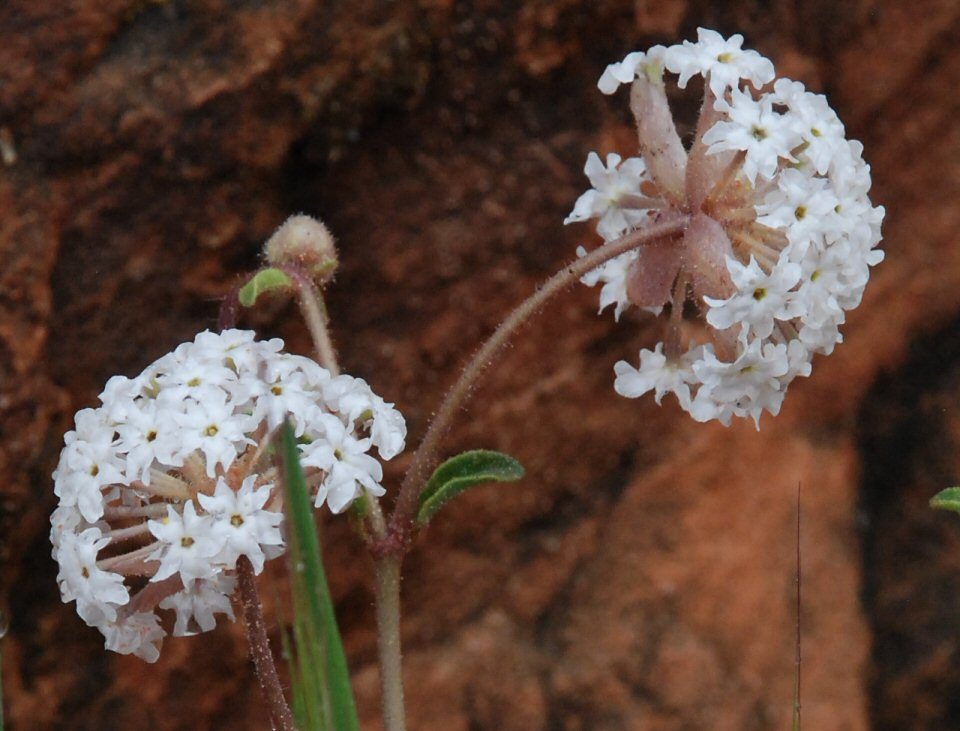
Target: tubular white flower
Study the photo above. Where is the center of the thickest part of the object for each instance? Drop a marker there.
(781, 239)
(755, 128)
(625, 71)
(760, 299)
(616, 187)
(197, 605)
(166, 479)
(802, 206)
(613, 275)
(349, 469)
(360, 407)
(812, 118)
(746, 387)
(86, 466)
(720, 60)
(98, 593)
(241, 525)
(656, 373)
(138, 634)
(188, 545)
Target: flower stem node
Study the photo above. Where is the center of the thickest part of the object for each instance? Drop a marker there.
(781, 234)
(305, 243)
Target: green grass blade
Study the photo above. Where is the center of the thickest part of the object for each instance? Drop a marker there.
(297, 691)
(326, 693)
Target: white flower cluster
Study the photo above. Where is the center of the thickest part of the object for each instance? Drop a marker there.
(170, 481)
(780, 237)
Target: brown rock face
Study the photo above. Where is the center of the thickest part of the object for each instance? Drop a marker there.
(642, 576)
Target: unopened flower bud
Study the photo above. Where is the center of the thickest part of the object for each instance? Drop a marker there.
(304, 242)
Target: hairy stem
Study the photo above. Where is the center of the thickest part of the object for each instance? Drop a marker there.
(229, 309)
(260, 647)
(3, 631)
(315, 316)
(388, 641)
(387, 599)
(401, 522)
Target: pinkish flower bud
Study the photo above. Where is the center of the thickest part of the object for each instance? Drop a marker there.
(306, 243)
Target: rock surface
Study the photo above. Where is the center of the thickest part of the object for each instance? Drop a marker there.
(642, 576)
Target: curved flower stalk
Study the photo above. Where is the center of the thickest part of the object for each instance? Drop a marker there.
(781, 234)
(169, 482)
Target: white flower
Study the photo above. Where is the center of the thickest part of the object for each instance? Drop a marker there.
(624, 72)
(98, 593)
(87, 465)
(388, 429)
(614, 184)
(656, 373)
(356, 402)
(746, 387)
(137, 634)
(188, 545)
(761, 297)
(613, 275)
(293, 387)
(196, 605)
(813, 119)
(178, 377)
(65, 520)
(755, 128)
(212, 427)
(349, 468)
(240, 523)
(802, 206)
(147, 435)
(720, 60)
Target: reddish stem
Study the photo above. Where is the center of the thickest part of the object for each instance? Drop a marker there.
(229, 309)
(260, 651)
(402, 520)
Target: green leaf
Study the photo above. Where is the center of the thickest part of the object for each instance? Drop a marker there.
(948, 499)
(263, 281)
(462, 471)
(323, 697)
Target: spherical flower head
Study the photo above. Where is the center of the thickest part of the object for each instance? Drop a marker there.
(779, 230)
(170, 479)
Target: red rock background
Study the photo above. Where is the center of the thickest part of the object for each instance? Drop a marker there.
(642, 576)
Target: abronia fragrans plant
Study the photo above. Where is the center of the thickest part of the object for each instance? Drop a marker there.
(753, 243)
(780, 238)
(165, 485)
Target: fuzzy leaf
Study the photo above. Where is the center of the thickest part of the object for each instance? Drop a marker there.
(323, 697)
(948, 499)
(465, 470)
(263, 281)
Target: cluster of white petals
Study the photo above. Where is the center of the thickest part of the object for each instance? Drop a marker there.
(780, 233)
(170, 481)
